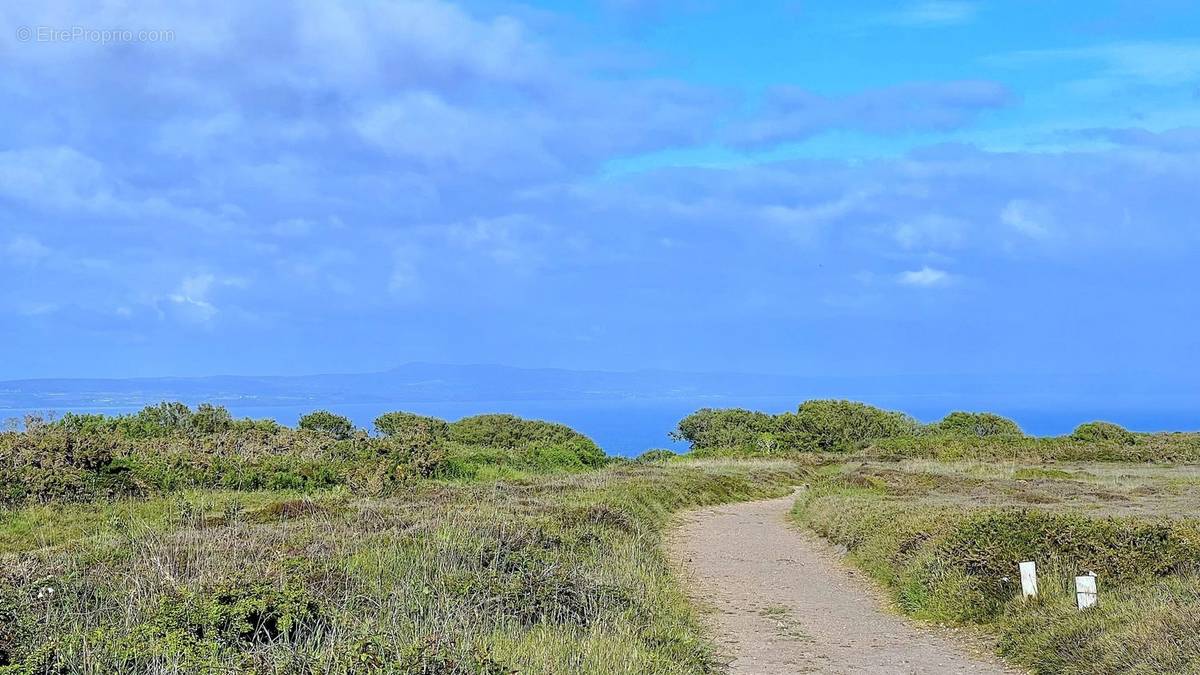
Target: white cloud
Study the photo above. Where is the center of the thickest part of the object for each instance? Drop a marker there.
(25, 249)
(508, 240)
(1031, 220)
(804, 222)
(925, 277)
(191, 299)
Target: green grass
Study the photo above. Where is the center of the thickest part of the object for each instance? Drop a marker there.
(562, 573)
(1160, 448)
(946, 540)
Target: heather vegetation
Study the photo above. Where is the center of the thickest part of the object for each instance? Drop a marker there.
(946, 538)
(171, 447)
(553, 573)
(183, 540)
(845, 428)
(831, 426)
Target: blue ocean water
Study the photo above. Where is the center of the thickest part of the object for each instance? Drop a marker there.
(628, 427)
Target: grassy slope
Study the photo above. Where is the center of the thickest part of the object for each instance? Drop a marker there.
(918, 532)
(553, 574)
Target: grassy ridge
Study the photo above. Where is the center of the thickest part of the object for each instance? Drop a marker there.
(1131, 447)
(847, 427)
(170, 447)
(947, 561)
(556, 574)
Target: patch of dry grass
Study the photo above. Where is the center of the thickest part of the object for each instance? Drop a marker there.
(554, 574)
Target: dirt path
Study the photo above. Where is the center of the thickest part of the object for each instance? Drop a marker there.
(784, 602)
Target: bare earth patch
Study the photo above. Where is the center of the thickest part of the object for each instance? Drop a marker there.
(782, 601)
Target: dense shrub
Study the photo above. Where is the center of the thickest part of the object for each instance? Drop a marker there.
(412, 429)
(156, 420)
(162, 420)
(657, 455)
(194, 630)
(826, 425)
(713, 428)
(325, 422)
(86, 423)
(210, 419)
(513, 433)
(1099, 432)
(977, 424)
(170, 447)
(844, 425)
(54, 465)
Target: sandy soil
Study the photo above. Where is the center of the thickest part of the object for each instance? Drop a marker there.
(782, 601)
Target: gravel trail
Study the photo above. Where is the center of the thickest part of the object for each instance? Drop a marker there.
(782, 601)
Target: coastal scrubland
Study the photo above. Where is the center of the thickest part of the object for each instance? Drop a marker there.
(181, 540)
(161, 543)
(942, 513)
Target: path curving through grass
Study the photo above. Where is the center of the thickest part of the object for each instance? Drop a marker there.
(782, 601)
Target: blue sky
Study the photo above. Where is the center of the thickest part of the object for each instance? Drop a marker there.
(937, 186)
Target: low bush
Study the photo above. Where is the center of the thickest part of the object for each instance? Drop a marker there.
(657, 455)
(53, 465)
(816, 426)
(510, 432)
(325, 422)
(412, 429)
(1101, 432)
(711, 428)
(170, 447)
(977, 424)
(844, 425)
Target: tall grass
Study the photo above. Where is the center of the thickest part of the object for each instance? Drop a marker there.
(554, 574)
(951, 562)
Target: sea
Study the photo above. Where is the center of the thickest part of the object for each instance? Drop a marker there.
(628, 427)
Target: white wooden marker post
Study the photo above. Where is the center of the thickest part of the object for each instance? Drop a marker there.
(1029, 580)
(1085, 591)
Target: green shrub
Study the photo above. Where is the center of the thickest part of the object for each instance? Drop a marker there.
(169, 447)
(657, 455)
(156, 420)
(18, 620)
(513, 433)
(713, 428)
(977, 424)
(844, 425)
(821, 425)
(412, 429)
(86, 423)
(327, 423)
(54, 465)
(1101, 432)
(210, 419)
(195, 631)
